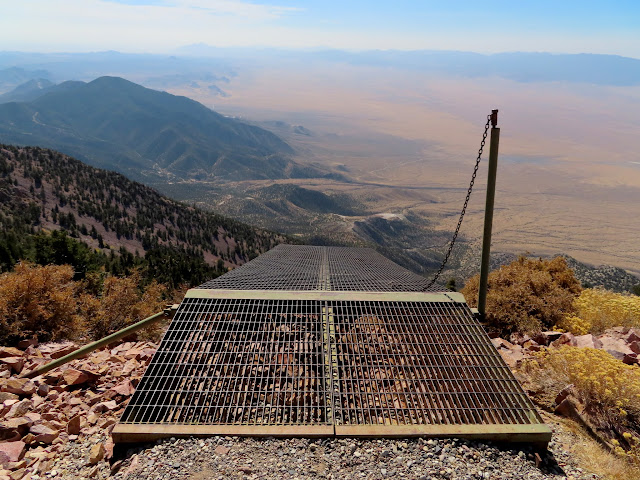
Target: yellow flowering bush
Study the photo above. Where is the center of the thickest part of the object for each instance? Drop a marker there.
(600, 379)
(609, 389)
(598, 309)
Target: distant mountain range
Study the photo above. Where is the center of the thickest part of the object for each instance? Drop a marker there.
(205, 65)
(14, 76)
(146, 134)
(526, 67)
(28, 91)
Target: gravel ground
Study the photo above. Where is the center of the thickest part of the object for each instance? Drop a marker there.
(251, 458)
(330, 458)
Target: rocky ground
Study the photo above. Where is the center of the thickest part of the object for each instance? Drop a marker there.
(58, 426)
(620, 342)
(232, 457)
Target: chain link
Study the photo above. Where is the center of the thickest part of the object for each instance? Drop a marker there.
(464, 207)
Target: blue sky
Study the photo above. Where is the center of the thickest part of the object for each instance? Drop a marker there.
(163, 25)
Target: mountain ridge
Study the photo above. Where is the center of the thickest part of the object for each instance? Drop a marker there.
(113, 123)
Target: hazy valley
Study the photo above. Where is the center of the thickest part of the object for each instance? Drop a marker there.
(380, 150)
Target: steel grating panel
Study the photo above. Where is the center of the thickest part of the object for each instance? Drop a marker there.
(421, 363)
(363, 269)
(284, 267)
(327, 360)
(235, 362)
(302, 267)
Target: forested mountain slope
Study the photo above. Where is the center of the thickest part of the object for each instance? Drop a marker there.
(43, 190)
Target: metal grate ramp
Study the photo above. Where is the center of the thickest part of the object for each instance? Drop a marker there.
(294, 360)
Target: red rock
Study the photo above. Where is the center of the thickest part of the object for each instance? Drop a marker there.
(125, 388)
(71, 376)
(587, 341)
(93, 418)
(7, 396)
(129, 367)
(12, 451)
(66, 349)
(31, 342)
(133, 354)
(633, 335)
(123, 347)
(19, 423)
(96, 454)
(18, 474)
(19, 409)
(564, 339)
(502, 343)
(10, 352)
(511, 357)
(107, 422)
(616, 347)
(9, 432)
(18, 465)
(221, 450)
(20, 386)
(10, 403)
(51, 415)
(104, 406)
(634, 346)
(14, 429)
(16, 363)
(33, 416)
(133, 465)
(108, 449)
(57, 425)
(116, 466)
(43, 433)
(147, 353)
(73, 426)
(531, 345)
(631, 359)
(564, 393)
(87, 432)
(43, 389)
(545, 338)
(100, 357)
(53, 378)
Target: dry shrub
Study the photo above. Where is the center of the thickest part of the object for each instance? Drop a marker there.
(609, 390)
(599, 309)
(593, 457)
(38, 301)
(121, 304)
(527, 295)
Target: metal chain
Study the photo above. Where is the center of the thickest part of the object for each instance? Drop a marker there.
(464, 207)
